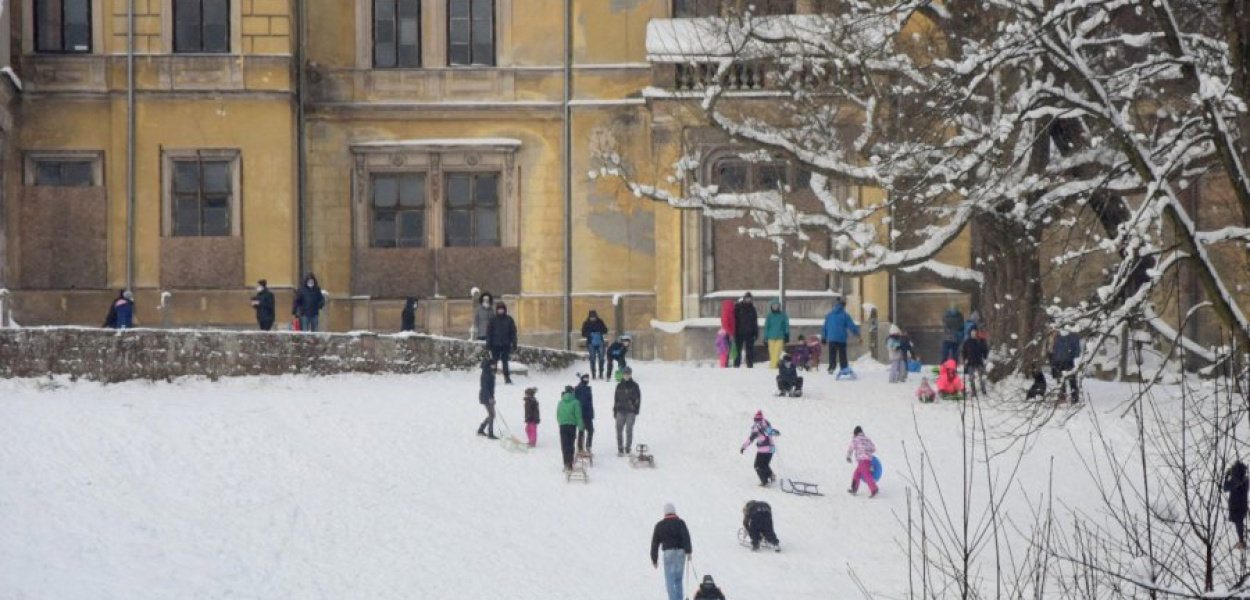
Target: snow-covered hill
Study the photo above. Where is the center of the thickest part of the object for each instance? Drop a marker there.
(377, 487)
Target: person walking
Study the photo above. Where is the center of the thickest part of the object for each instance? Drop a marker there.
(486, 396)
(1237, 485)
(501, 339)
(1065, 348)
(531, 416)
(408, 316)
(569, 418)
(625, 408)
(482, 314)
(586, 429)
(837, 324)
(671, 536)
(776, 332)
(862, 450)
(762, 434)
(309, 300)
(953, 333)
(746, 330)
(263, 304)
(595, 332)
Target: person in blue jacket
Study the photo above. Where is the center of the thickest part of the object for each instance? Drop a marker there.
(1065, 348)
(837, 324)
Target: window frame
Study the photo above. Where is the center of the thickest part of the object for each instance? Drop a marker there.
(234, 204)
(373, 28)
(473, 176)
(33, 159)
(173, 29)
(494, 37)
(426, 209)
(37, 8)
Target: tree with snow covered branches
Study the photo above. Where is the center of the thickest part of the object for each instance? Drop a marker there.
(1022, 122)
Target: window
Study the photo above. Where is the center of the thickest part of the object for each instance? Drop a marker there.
(720, 8)
(64, 173)
(396, 34)
(201, 198)
(202, 26)
(398, 210)
(736, 176)
(471, 33)
(63, 26)
(472, 216)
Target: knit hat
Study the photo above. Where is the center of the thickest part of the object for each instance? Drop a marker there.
(707, 580)
(669, 509)
(628, 370)
(894, 330)
(759, 414)
(858, 430)
(583, 376)
(531, 391)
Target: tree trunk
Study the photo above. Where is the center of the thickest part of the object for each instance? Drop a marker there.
(1011, 299)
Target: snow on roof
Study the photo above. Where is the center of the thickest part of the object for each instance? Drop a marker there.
(440, 142)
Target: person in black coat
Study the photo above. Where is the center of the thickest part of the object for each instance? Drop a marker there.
(746, 329)
(975, 351)
(486, 396)
(501, 338)
(595, 332)
(263, 303)
(1237, 485)
(757, 519)
(408, 316)
(308, 303)
(585, 433)
(788, 380)
(617, 353)
(708, 590)
(671, 535)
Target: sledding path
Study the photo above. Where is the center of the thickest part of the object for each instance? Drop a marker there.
(376, 487)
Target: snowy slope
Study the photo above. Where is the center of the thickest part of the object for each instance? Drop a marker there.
(376, 487)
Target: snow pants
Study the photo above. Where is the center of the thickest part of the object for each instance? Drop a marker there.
(762, 468)
(674, 567)
(596, 360)
(786, 384)
(625, 425)
(760, 525)
(864, 472)
(500, 355)
(724, 360)
(898, 370)
(837, 355)
(775, 349)
(746, 345)
(586, 435)
(531, 433)
(568, 434)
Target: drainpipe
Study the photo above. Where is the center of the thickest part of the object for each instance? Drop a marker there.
(568, 175)
(301, 140)
(130, 144)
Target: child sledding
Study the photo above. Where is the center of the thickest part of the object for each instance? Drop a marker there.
(757, 527)
(949, 385)
(789, 383)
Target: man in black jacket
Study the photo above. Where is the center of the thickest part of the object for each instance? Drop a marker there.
(501, 338)
(1237, 485)
(408, 316)
(595, 332)
(746, 329)
(264, 304)
(757, 519)
(625, 407)
(309, 300)
(671, 535)
(975, 351)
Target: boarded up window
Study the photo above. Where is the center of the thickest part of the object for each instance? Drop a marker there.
(63, 26)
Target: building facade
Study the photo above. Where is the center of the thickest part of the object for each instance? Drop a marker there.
(188, 148)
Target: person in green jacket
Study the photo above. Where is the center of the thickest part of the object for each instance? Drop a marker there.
(569, 418)
(776, 333)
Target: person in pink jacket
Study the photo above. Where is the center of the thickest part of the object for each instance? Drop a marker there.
(861, 449)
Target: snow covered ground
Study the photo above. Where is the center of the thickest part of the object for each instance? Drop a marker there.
(376, 487)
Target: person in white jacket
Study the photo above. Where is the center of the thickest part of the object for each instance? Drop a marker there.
(861, 449)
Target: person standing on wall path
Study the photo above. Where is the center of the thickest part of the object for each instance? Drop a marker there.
(671, 536)
(482, 314)
(501, 339)
(309, 300)
(746, 330)
(408, 316)
(776, 332)
(263, 304)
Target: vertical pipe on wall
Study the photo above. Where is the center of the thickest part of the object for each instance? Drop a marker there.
(301, 140)
(130, 144)
(567, 165)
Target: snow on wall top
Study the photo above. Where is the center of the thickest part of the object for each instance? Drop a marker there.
(441, 142)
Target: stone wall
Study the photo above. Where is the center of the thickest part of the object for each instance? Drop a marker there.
(114, 356)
